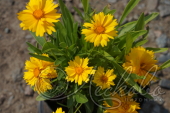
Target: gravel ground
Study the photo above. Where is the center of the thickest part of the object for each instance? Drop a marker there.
(17, 97)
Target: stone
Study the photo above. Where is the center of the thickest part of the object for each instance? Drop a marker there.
(157, 33)
(162, 41)
(163, 58)
(17, 75)
(2, 99)
(7, 30)
(151, 4)
(164, 83)
(152, 107)
(141, 6)
(112, 1)
(28, 91)
(164, 10)
(159, 100)
(28, 36)
(10, 100)
(165, 2)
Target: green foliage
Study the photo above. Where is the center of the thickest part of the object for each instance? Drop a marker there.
(67, 42)
(80, 98)
(128, 9)
(40, 40)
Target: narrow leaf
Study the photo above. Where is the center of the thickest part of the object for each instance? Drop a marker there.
(129, 42)
(33, 48)
(42, 57)
(40, 40)
(157, 50)
(140, 23)
(80, 98)
(165, 65)
(128, 9)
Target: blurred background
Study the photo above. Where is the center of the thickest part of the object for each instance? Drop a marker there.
(17, 97)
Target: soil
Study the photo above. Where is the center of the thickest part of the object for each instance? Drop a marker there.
(15, 95)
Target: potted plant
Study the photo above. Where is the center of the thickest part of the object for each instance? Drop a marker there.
(94, 67)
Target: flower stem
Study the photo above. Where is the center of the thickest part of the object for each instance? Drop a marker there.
(78, 108)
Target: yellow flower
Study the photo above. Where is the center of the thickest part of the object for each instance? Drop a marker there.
(39, 73)
(39, 16)
(59, 110)
(101, 28)
(122, 104)
(141, 61)
(78, 70)
(104, 80)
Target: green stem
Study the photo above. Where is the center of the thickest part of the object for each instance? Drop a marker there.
(61, 104)
(78, 108)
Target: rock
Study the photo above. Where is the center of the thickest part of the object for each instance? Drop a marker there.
(80, 5)
(28, 91)
(141, 6)
(7, 30)
(112, 1)
(162, 41)
(151, 4)
(17, 75)
(163, 57)
(165, 2)
(166, 71)
(135, 16)
(152, 107)
(157, 33)
(164, 83)
(28, 36)
(159, 100)
(10, 100)
(2, 99)
(164, 10)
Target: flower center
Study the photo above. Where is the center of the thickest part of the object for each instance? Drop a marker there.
(36, 72)
(38, 14)
(79, 70)
(104, 79)
(142, 65)
(99, 29)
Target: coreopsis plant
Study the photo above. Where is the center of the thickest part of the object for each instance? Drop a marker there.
(97, 66)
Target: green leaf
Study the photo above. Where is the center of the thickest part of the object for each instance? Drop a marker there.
(127, 28)
(48, 46)
(131, 25)
(140, 23)
(107, 10)
(109, 101)
(135, 76)
(70, 101)
(79, 12)
(129, 42)
(139, 43)
(42, 57)
(40, 40)
(58, 61)
(128, 9)
(80, 98)
(165, 65)
(63, 45)
(85, 5)
(157, 50)
(70, 110)
(99, 110)
(134, 35)
(150, 17)
(33, 48)
(40, 98)
(89, 106)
